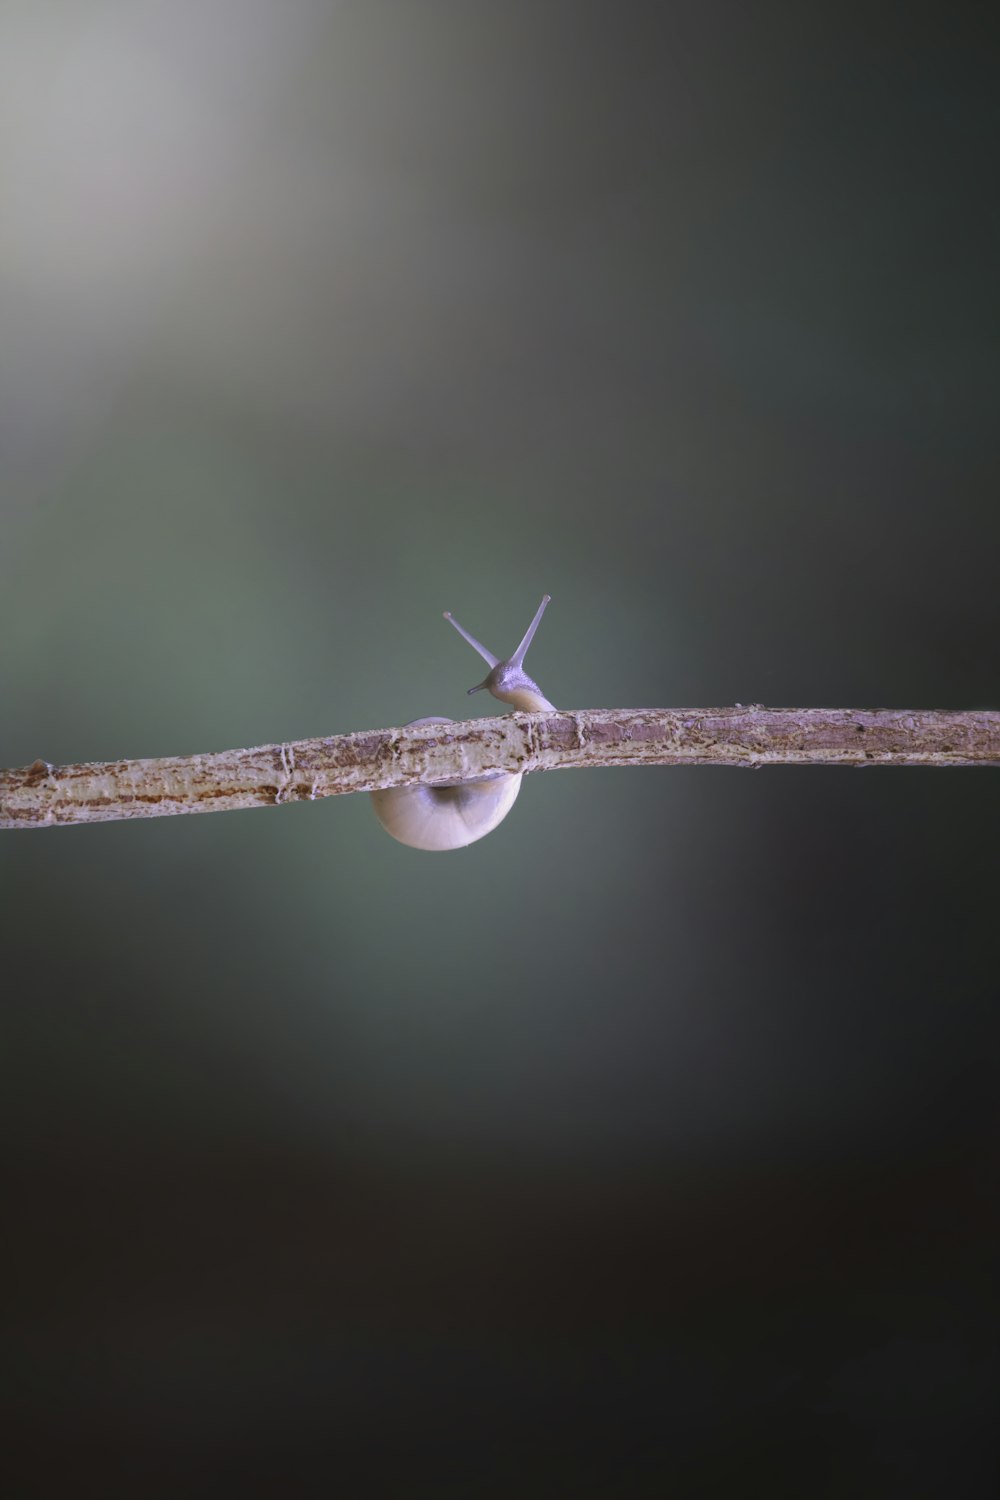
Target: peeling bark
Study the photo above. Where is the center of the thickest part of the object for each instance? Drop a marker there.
(42, 795)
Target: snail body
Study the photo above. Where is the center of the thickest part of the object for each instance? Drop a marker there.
(451, 816)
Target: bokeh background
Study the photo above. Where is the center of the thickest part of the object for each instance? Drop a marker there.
(649, 1146)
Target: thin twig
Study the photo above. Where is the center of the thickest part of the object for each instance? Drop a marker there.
(41, 795)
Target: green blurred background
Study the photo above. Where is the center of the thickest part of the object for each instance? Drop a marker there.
(647, 1146)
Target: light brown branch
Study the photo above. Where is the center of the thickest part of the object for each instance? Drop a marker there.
(42, 795)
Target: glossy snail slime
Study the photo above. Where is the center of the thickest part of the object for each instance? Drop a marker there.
(449, 817)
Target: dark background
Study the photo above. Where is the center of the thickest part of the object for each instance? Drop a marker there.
(649, 1146)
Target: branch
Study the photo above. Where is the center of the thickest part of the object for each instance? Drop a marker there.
(41, 795)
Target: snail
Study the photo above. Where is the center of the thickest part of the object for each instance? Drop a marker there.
(449, 817)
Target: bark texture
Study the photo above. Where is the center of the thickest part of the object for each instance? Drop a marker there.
(43, 795)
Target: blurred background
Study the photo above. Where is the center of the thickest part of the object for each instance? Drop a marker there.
(650, 1145)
